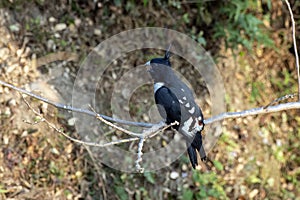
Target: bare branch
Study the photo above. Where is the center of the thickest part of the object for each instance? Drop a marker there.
(78, 110)
(295, 45)
(254, 111)
(220, 117)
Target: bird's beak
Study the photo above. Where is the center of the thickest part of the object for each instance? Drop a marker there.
(147, 63)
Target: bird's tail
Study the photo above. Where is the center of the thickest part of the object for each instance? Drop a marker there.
(196, 145)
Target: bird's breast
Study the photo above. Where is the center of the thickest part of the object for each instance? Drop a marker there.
(157, 86)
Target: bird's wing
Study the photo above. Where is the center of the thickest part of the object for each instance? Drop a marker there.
(186, 99)
(169, 106)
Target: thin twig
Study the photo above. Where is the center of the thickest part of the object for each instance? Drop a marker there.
(115, 126)
(295, 46)
(139, 156)
(97, 168)
(164, 128)
(285, 97)
(71, 138)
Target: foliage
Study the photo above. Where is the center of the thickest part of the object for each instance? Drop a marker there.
(239, 25)
(235, 22)
(209, 185)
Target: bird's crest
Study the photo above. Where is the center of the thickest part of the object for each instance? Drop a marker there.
(168, 53)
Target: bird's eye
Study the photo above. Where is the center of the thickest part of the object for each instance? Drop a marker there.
(200, 123)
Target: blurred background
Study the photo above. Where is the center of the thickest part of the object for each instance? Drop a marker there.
(42, 45)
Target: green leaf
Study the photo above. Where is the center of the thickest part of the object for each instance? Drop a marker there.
(254, 179)
(122, 194)
(149, 177)
(145, 2)
(3, 191)
(186, 18)
(279, 155)
(218, 165)
(187, 194)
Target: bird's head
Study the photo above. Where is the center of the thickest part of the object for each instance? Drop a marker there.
(161, 61)
(159, 68)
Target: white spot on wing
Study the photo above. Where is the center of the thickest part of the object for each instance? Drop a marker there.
(180, 101)
(187, 105)
(182, 89)
(184, 98)
(192, 110)
(158, 85)
(186, 127)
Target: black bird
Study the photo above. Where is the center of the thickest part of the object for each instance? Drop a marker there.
(176, 102)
